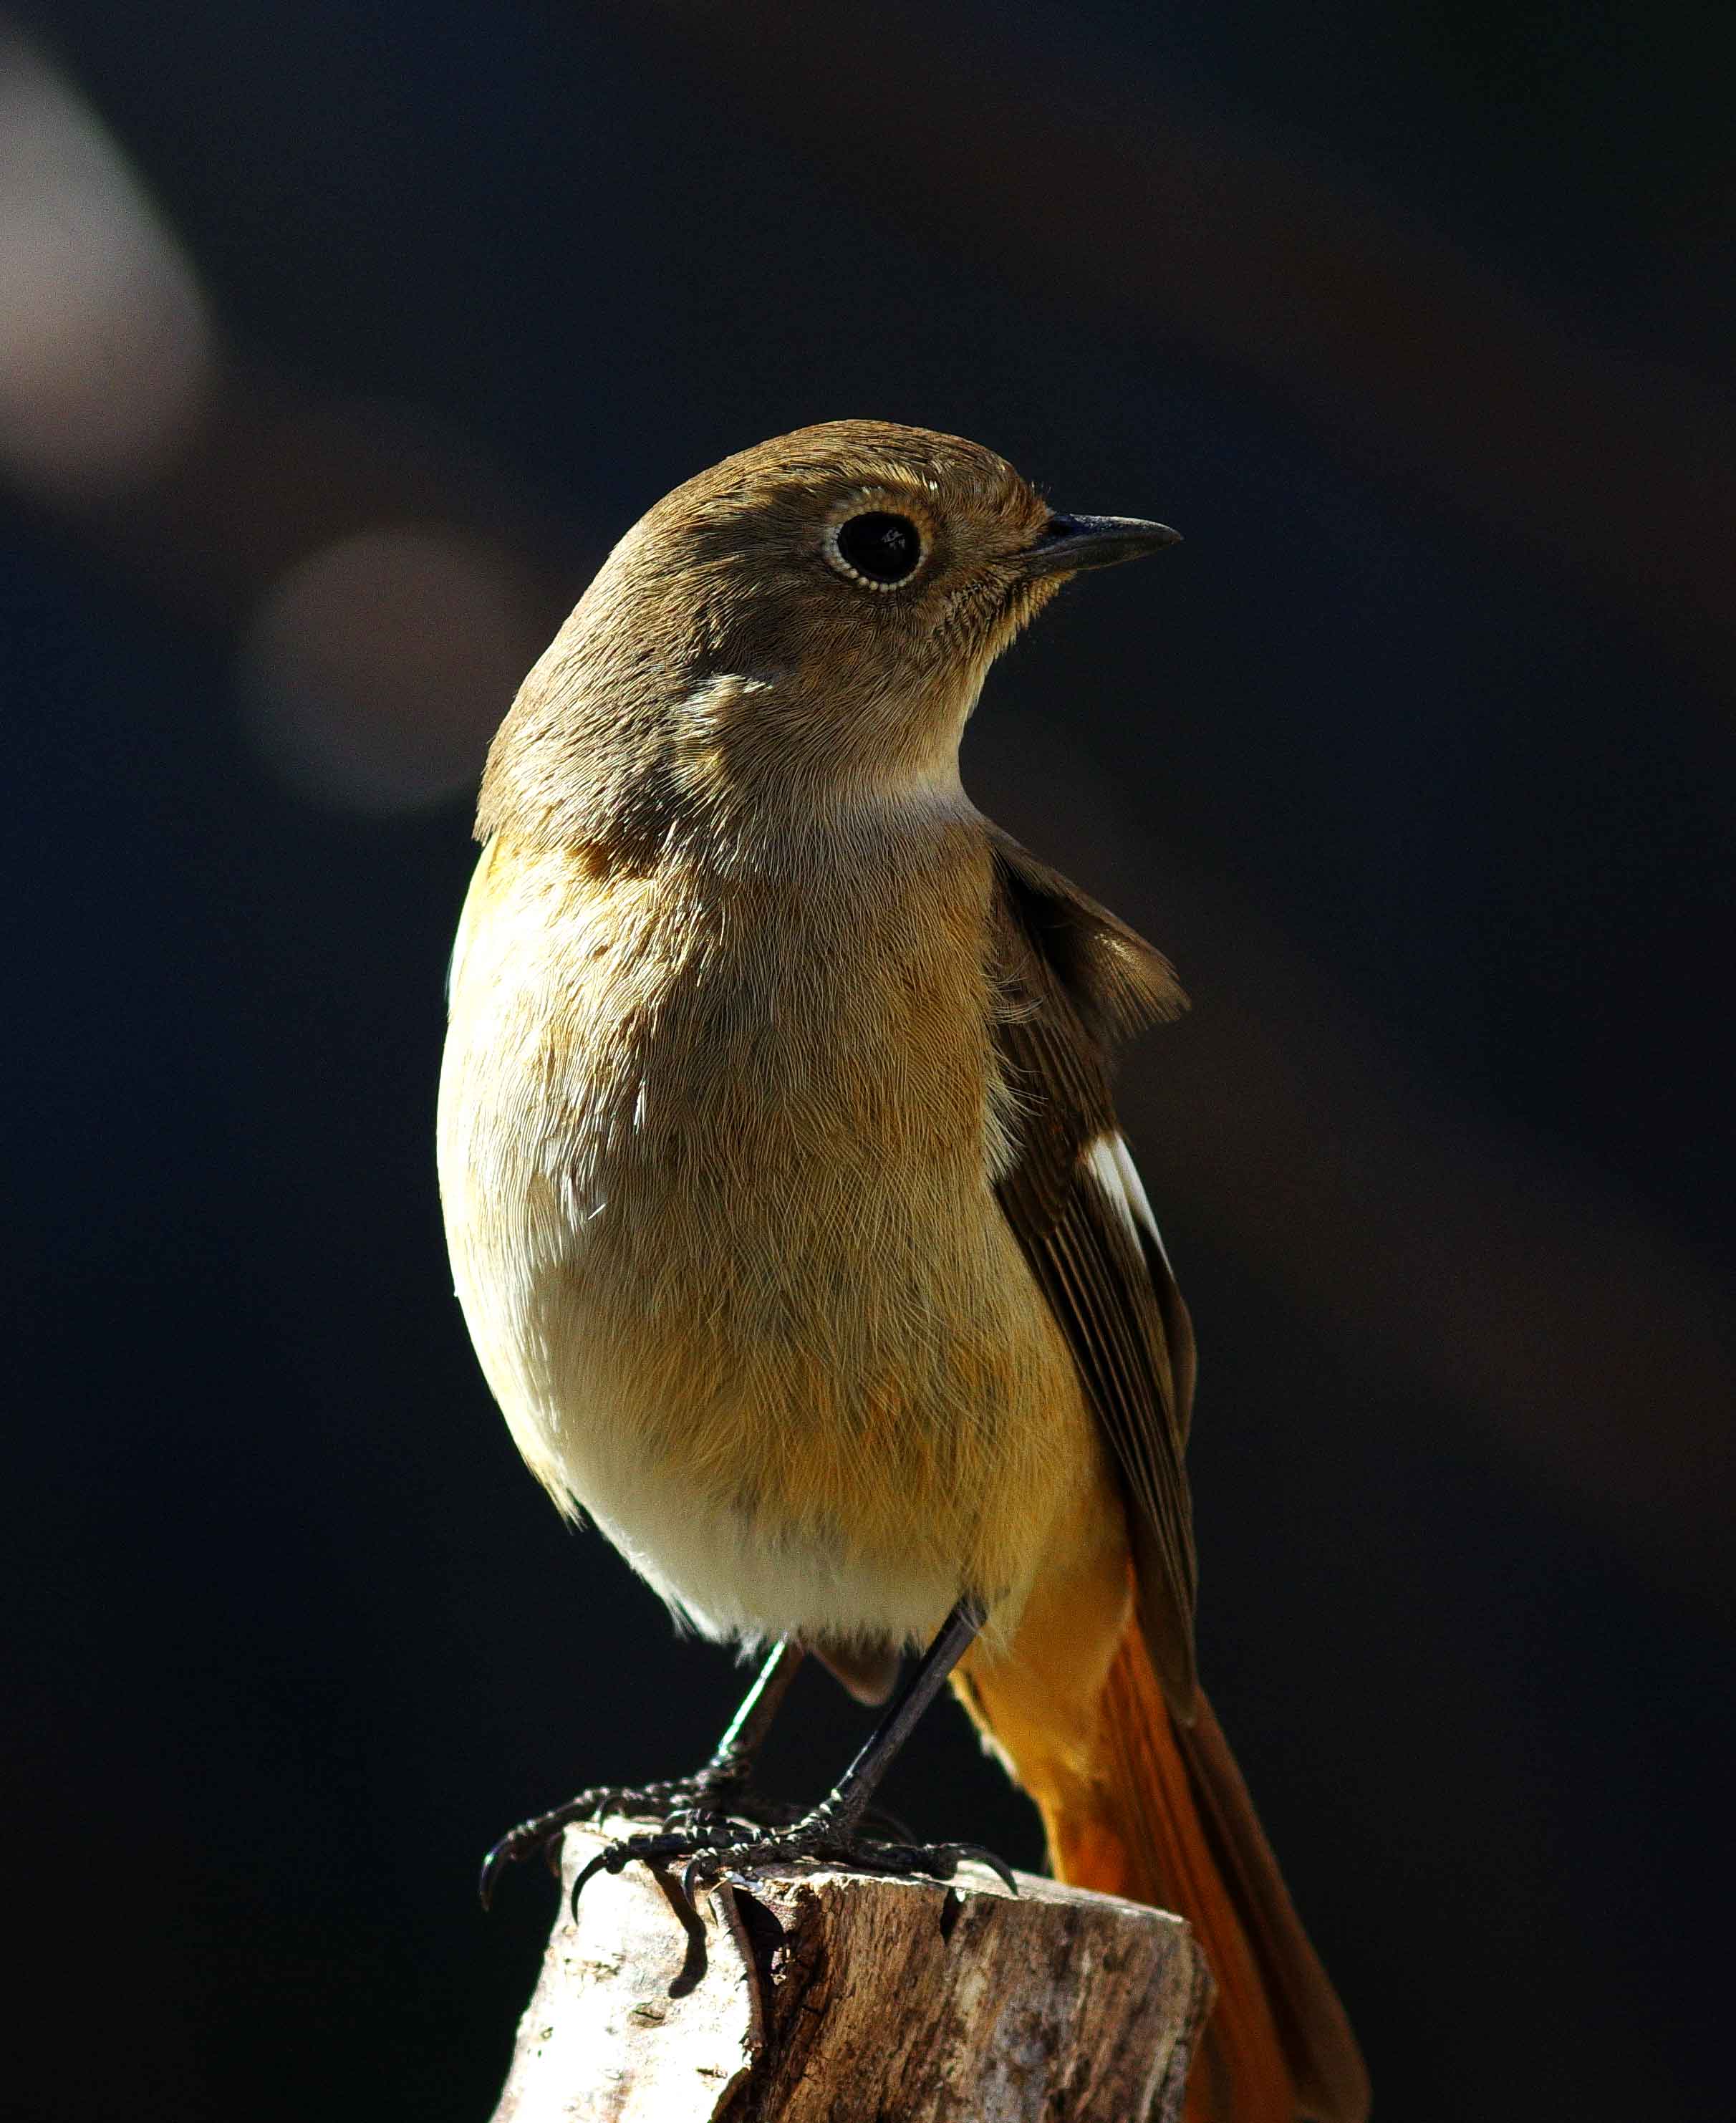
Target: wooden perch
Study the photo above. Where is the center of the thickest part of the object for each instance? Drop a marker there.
(826, 1997)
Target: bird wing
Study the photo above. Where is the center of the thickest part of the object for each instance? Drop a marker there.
(1075, 982)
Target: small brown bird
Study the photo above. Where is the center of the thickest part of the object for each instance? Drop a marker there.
(787, 1208)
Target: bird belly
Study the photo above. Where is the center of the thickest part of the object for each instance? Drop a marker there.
(744, 1297)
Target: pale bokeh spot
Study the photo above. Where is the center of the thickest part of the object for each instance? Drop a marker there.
(374, 671)
(106, 345)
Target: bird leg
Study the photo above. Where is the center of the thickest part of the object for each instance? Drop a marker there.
(720, 1788)
(833, 1832)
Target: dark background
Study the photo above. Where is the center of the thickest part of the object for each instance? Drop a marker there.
(337, 342)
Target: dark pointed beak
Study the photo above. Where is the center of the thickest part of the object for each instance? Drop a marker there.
(1069, 543)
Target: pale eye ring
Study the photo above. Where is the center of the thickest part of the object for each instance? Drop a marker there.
(877, 550)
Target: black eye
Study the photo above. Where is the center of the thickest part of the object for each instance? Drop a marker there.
(878, 548)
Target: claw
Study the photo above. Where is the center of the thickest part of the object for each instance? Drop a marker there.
(680, 1900)
(999, 1866)
(508, 1851)
(599, 1864)
(694, 1804)
(714, 1844)
(543, 1833)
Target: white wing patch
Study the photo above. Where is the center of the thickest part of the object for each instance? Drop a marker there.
(1109, 1163)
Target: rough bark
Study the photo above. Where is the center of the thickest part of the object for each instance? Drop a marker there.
(826, 1997)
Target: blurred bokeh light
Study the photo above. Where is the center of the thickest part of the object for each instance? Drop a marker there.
(364, 665)
(105, 343)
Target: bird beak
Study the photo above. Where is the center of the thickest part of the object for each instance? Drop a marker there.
(1069, 543)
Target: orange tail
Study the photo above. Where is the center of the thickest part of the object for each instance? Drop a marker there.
(1157, 1811)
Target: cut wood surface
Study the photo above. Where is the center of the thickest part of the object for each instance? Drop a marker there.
(826, 1997)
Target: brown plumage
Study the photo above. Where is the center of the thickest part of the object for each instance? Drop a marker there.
(782, 1181)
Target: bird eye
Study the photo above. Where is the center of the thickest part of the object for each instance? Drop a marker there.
(875, 550)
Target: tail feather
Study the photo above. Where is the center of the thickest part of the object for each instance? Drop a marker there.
(1162, 1816)
(1331, 2081)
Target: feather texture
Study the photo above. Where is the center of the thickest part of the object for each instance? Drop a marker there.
(1073, 979)
(782, 1182)
(716, 1156)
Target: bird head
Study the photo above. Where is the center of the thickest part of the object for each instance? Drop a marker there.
(808, 623)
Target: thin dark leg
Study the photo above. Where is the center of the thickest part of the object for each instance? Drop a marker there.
(847, 1801)
(833, 1832)
(758, 1707)
(712, 1790)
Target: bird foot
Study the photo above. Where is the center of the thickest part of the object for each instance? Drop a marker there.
(714, 1844)
(717, 1793)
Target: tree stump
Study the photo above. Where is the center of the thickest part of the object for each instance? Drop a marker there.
(828, 1997)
